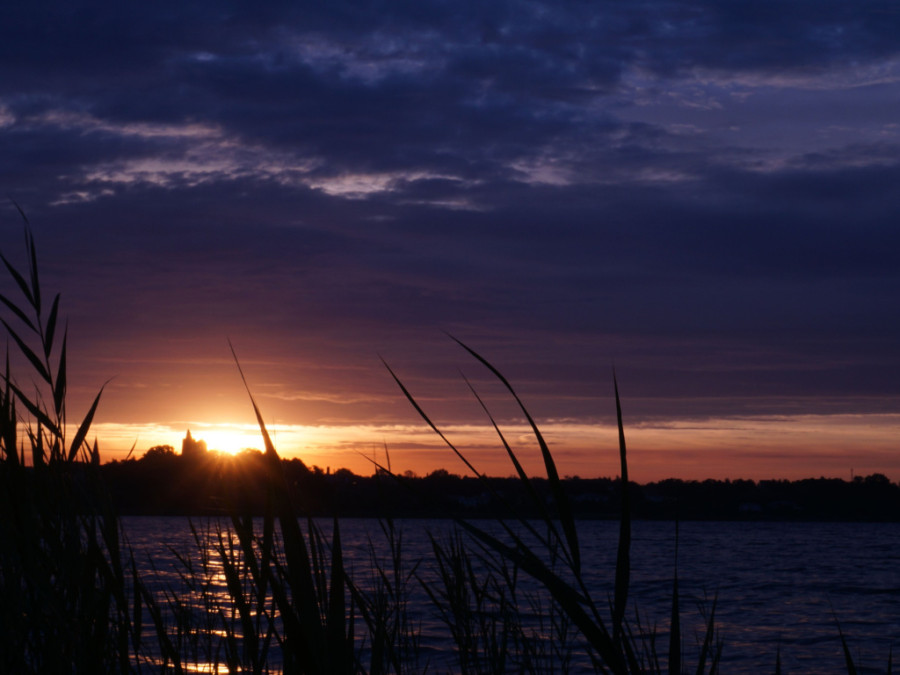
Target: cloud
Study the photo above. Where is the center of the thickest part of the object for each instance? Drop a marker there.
(480, 97)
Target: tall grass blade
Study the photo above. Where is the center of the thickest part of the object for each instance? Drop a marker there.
(424, 416)
(569, 599)
(9, 422)
(59, 387)
(18, 312)
(50, 331)
(707, 651)
(623, 556)
(169, 653)
(137, 618)
(270, 447)
(268, 549)
(300, 610)
(20, 282)
(336, 637)
(85, 426)
(39, 414)
(36, 362)
(21, 211)
(675, 621)
(475, 471)
(520, 471)
(33, 266)
(236, 594)
(559, 496)
(848, 658)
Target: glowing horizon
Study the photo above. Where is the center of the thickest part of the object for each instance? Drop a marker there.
(784, 447)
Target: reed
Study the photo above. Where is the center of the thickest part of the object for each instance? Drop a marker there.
(550, 554)
(63, 601)
(393, 643)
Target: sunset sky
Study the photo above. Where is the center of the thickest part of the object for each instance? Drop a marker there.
(701, 195)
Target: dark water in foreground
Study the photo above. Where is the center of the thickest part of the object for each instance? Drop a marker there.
(779, 585)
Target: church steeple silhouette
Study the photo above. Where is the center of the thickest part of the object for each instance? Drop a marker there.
(192, 448)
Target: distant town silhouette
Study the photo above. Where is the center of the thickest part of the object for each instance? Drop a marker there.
(202, 481)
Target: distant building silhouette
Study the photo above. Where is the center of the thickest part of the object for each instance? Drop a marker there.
(191, 448)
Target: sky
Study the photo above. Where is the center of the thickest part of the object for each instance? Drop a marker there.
(700, 196)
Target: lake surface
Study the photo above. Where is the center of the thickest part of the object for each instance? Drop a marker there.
(779, 586)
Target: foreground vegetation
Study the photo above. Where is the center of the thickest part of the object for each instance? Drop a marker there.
(72, 599)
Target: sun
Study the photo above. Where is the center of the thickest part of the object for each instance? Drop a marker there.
(229, 440)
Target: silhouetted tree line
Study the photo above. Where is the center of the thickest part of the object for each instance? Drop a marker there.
(163, 482)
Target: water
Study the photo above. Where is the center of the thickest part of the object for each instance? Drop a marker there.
(779, 587)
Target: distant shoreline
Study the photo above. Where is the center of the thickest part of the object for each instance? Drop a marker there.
(477, 518)
(213, 485)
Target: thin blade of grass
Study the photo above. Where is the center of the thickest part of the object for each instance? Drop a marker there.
(520, 471)
(50, 331)
(21, 212)
(267, 441)
(309, 640)
(559, 496)
(706, 649)
(336, 606)
(59, 388)
(36, 362)
(424, 416)
(518, 542)
(243, 528)
(717, 658)
(18, 312)
(631, 657)
(300, 640)
(512, 456)
(33, 268)
(236, 595)
(39, 414)
(569, 599)
(848, 658)
(37, 446)
(465, 460)
(675, 621)
(85, 425)
(167, 648)
(137, 604)
(20, 281)
(9, 421)
(623, 557)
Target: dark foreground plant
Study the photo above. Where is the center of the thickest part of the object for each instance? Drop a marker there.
(550, 554)
(64, 605)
